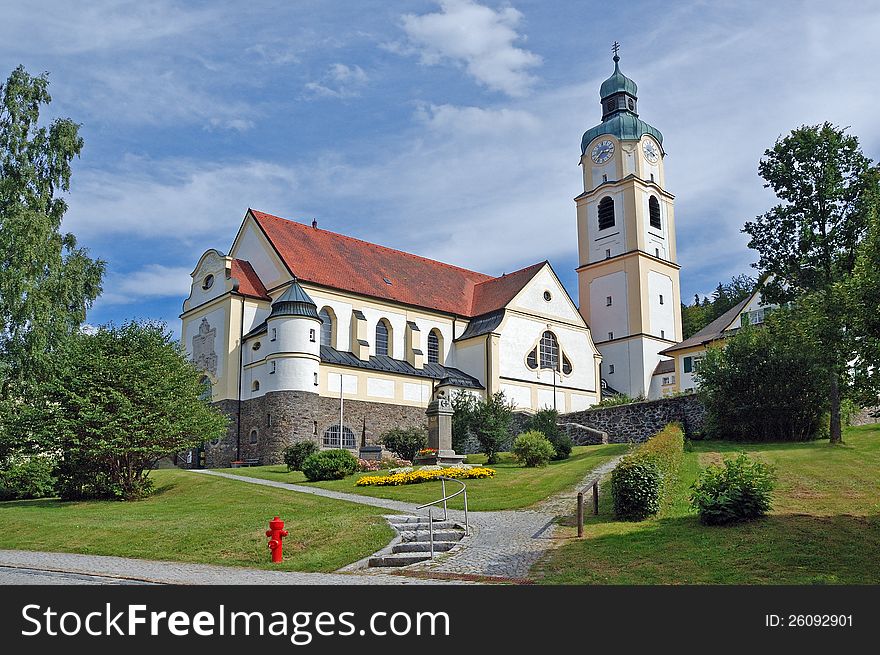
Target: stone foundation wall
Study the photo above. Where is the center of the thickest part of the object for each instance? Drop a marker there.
(866, 416)
(638, 421)
(272, 422)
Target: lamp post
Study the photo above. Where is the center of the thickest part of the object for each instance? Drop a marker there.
(553, 364)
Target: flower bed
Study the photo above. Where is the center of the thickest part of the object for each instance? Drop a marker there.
(423, 475)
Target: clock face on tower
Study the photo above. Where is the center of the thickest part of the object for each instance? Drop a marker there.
(603, 151)
(652, 152)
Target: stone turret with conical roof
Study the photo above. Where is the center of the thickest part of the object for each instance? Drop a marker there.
(294, 347)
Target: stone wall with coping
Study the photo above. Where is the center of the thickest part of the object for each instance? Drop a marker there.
(270, 423)
(639, 421)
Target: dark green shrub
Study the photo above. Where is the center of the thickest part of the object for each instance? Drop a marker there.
(737, 491)
(406, 442)
(30, 478)
(635, 487)
(546, 421)
(533, 449)
(641, 480)
(296, 453)
(329, 465)
(491, 425)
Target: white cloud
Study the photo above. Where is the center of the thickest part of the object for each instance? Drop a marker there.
(480, 38)
(340, 81)
(152, 281)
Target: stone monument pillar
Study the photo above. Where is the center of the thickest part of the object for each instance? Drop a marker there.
(439, 415)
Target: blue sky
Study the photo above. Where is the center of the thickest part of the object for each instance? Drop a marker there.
(450, 129)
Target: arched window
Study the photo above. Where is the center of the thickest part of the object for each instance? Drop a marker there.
(434, 347)
(255, 386)
(383, 333)
(207, 389)
(606, 213)
(338, 436)
(326, 316)
(254, 436)
(654, 212)
(548, 350)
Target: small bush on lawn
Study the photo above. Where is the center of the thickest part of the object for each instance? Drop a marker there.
(406, 442)
(641, 480)
(546, 421)
(635, 488)
(737, 491)
(329, 465)
(27, 478)
(533, 449)
(295, 454)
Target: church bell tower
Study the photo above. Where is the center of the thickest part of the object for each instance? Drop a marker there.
(628, 274)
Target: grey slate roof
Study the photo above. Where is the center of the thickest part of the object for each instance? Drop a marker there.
(482, 325)
(388, 364)
(665, 366)
(712, 332)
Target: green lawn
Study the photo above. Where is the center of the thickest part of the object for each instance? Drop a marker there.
(824, 527)
(199, 518)
(512, 487)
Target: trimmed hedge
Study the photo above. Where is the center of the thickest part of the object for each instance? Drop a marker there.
(332, 464)
(642, 479)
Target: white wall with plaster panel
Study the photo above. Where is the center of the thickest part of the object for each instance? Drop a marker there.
(380, 388)
(417, 392)
(518, 395)
(662, 316)
(349, 384)
(470, 357)
(604, 318)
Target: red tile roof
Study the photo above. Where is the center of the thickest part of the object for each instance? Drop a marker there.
(249, 283)
(497, 292)
(342, 262)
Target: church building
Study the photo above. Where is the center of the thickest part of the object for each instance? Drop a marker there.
(307, 334)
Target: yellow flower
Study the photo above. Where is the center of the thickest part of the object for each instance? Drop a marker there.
(414, 477)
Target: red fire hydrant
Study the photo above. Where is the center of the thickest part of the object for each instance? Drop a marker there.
(276, 533)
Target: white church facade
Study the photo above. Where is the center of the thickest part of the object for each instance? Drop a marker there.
(303, 333)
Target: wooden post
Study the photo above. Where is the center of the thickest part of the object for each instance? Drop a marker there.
(596, 498)
(580, 514)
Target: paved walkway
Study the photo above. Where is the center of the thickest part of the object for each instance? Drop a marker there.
(26, 567)
(504, 544)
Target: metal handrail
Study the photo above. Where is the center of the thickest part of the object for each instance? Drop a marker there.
(444, 500)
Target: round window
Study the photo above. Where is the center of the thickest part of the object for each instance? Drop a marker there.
(256, 346)
(208, 282)
(547, 296)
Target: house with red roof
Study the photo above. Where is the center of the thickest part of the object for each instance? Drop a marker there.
(303, 333)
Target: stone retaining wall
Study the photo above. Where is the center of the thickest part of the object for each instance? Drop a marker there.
(279, 418)
(639, 421)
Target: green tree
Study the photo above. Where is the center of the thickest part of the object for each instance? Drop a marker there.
(120, 400)
(810, 241)
(864, 296)
(406, 442)
(46, 281)
(766, 383)
(697, 316)
(464, 407)
(491, 425)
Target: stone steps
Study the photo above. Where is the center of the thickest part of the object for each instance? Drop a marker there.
(423, 547)
(415, 540)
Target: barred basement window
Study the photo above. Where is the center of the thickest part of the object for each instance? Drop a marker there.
(606, 213)
(548, 349)
(433, 347)
(338, 436)
(654, 212)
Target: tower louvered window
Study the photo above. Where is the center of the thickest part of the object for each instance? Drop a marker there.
(654, 212)
(606, 213)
